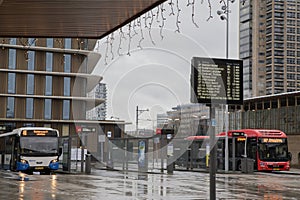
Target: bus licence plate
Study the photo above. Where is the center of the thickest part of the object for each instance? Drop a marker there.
(276, 169)
(39, 168)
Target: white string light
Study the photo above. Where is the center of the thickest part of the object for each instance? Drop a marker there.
(135, 28)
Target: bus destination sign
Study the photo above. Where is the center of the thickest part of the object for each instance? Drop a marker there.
(38, 133)
(217, 81)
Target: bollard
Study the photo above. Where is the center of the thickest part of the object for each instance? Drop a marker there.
(170, 166)
(88, 163)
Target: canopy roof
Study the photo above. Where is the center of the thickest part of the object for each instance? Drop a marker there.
(68, 18)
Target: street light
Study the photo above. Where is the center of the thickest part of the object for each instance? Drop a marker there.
(224, 15)
(138, 112)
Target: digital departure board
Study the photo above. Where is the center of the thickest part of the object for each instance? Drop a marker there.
(217, 81)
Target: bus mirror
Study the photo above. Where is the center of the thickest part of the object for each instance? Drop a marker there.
(289, 156)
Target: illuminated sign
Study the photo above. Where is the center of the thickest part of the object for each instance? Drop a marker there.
(272, 140)
(237, 134)
(217, 81)
(38, 133)
(241, 139)
(81, 129)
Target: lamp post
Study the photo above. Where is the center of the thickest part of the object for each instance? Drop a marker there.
(224, 15)
(138, 112)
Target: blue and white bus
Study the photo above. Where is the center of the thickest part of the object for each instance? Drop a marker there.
(30, 149)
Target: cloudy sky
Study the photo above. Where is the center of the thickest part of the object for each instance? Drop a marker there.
(147, 64)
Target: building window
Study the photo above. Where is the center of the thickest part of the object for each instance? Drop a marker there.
(11, 85)
(12, 59)
(29, 108)
(47, 109)
(67, 86)
(291, 76)
(31, 42)
(13, 41)
(68, 43)
(49, 62)
(48, 87)
(67, 63)
(291, 38)
(66, 109)
(290, 30)
(291, 53)
(10, 107)
(291, 68)
(50, 42)
(290, 61)
(31, 56)
(290, 15)
(30, 84)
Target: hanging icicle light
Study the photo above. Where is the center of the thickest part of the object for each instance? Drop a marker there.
(156, 16)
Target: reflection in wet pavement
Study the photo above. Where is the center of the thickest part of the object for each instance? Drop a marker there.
(103, 184)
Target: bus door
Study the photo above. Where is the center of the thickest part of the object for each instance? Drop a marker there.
(236, 146)
(252, 150)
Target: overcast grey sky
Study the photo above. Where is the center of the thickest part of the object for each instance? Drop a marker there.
(157, 76)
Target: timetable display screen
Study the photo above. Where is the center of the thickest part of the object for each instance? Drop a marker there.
(217, 81)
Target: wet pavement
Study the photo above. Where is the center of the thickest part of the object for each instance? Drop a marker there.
(103, 184)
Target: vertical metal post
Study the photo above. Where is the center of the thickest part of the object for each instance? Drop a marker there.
(137, 120)
(226, 109)
(226, 139)
(213, 154)
(83, 146)
(233, 154)
(162, 143)
(126, 154)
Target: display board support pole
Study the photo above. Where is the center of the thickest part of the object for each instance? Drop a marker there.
(213, 154)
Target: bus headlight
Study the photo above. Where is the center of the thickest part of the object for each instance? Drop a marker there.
(54, 161)
(24, 161)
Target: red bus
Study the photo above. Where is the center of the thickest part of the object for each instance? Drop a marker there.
(268, 148)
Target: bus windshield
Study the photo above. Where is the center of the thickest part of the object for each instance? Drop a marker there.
(273, 149)
(39, 145)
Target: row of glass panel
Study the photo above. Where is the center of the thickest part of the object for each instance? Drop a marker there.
(11, 85)
(30, 108)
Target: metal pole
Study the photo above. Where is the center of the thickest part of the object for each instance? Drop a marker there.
(227, 29)
(226, 140)
(213, 154)
(137, 119)
(226, 109)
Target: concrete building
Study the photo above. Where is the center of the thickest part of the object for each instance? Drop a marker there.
(45, 82)
(188, 119)
(269, 46)
(99, 112)
(161, 119)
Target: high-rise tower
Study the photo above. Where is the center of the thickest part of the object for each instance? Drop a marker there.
(270, 46)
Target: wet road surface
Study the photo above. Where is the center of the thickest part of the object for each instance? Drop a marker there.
(102, 184)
